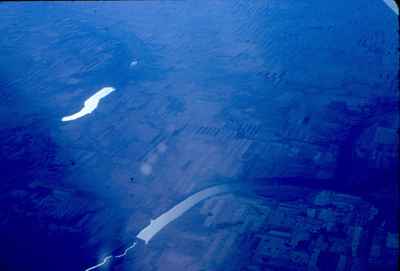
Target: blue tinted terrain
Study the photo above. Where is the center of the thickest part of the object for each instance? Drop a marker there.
(199, 135)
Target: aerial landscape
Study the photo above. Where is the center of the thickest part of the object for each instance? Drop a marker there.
(199, 135)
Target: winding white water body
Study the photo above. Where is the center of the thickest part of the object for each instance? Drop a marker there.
(164, 219)
(392, 5)
(90, 104)
(126, 250)
(109, 257)
(105, 260)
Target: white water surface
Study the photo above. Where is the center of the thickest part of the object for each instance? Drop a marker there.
(90, 104)
(164, 219)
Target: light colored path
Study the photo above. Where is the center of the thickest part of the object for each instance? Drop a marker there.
(90, 104)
